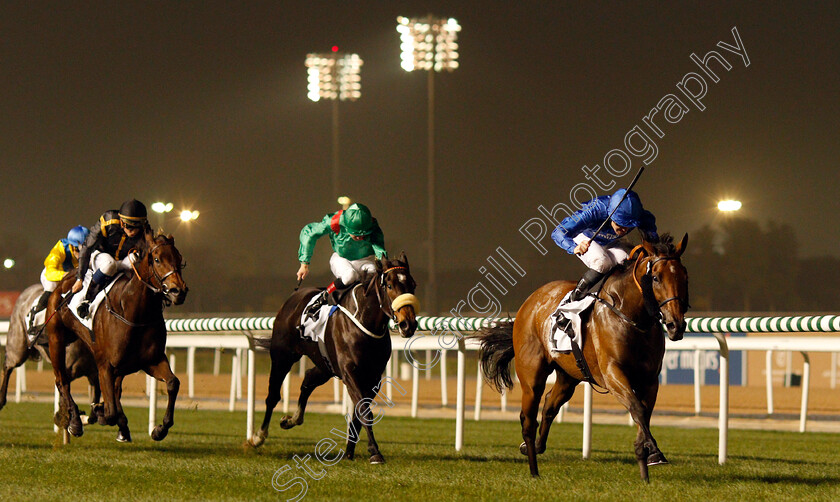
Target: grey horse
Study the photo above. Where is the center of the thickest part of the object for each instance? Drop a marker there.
(79, 360)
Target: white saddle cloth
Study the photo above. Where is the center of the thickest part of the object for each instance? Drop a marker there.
(94, 305)
(315, 327)
(572, 311)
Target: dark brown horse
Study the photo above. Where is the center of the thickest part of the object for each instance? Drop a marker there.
(78, 359)
(356, 357)
(130, 334)
(623, 345)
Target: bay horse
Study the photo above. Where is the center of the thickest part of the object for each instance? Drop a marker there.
(78, 360)
(356, 357)
(129, 332)
(623, 345)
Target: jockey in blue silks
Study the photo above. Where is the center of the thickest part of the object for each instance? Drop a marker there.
(606, 250)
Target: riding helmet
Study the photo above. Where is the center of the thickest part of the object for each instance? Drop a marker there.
(628, 212)
(77, 235)
(133, 213)
(357, 219)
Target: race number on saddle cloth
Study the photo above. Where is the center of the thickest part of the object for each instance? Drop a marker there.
(571, 311)
(77, 299)
(314, 326)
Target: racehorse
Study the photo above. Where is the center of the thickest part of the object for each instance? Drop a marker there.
(357, 347)
(130, 334)
(623, 345)
(78, 360)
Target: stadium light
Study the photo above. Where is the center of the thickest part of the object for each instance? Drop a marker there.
(162, 207)
(334, 76)
(187, 215)
(429, 44)
(727, 206)
(8, 263)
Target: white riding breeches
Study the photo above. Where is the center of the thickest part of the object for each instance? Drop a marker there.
(350, 271)
(48, 284)
(108, 265)
(602, 258)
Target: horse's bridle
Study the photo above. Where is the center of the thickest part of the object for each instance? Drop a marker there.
(649, 272)
(401, 301)
(163, 289)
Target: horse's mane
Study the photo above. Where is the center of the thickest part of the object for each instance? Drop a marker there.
(664, 247)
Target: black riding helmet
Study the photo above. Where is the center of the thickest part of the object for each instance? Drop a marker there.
(133, 213)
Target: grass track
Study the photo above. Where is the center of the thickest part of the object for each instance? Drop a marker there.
(204, 458)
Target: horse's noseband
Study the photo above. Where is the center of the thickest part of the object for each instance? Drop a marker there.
(402, 300)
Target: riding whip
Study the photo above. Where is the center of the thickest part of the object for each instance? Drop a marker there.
(630, 187)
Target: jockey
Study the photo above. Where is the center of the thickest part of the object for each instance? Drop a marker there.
(63, 257)
(106, 250)
(356, 240)
(605, 250)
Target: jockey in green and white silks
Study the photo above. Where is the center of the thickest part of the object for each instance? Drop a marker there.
(356, 240)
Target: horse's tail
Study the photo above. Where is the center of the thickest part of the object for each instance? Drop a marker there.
(496, 354)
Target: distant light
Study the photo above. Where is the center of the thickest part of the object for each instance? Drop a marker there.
(428, 43)
(160, 207)
(333, 76)
(187, 215)
(8, 263)
(335, 48)
(344, 201)
(729, 205)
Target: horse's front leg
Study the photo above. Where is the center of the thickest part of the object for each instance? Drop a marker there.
(361, 396)
(314, 378)
(619, 385)
(163, 372)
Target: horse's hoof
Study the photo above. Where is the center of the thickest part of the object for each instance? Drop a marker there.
(377, 459)
(75, 428)
(523, 449)
(657, 459)
(159, 433)
(123, 438)
(256, 440)
(85, 419)
(286, 422)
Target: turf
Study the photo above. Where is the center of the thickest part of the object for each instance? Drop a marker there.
(204, 458)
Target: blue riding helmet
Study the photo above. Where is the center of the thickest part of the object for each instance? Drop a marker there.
(629, 212)
(77, 235)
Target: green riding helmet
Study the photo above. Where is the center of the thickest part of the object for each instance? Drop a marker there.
(357, 219)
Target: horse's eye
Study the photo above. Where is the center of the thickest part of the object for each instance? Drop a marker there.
(157, 260)
(655, 278)
(390, 286)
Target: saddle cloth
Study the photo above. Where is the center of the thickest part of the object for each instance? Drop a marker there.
(315, 327)
(560, 341)
(35, 320)
(94, 305)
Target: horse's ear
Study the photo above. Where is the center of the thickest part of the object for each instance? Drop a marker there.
(682, 245)
(403, 258)
(648, 247)
(378, 264)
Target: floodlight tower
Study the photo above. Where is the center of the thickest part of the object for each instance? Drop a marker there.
(429, 44)
(334, 76)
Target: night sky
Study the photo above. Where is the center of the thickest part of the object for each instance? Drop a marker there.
(204, 104)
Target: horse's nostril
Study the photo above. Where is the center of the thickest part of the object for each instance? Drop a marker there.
(670, 326)
(403, 325)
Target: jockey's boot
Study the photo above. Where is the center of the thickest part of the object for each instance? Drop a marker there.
(589, 279)
(97, 284)
(322, 299)
(42, 302)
